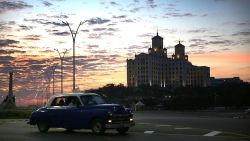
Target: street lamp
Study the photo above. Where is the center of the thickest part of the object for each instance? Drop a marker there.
(73, 34)
(62, 58)
(53, 76)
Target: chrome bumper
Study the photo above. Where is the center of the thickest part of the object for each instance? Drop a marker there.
(120, 125)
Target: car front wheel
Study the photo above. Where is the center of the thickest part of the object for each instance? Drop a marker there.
(97, 127)
(43, 127)
(122, 130)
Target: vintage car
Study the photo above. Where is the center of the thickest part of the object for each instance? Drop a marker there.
(82, 111)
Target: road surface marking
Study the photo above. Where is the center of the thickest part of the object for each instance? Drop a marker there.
(149, 132)
(183, 128)
(212, 133)
(163, 125)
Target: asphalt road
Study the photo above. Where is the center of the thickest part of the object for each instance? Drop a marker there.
(154, 125)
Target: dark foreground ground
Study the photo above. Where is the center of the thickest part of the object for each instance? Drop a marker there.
(150, 125)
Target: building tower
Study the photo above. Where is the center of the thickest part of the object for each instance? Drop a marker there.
(9, 101)
(180, 52)
(157, 44)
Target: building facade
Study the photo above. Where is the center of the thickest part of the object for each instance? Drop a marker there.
(218, 81)
(156, 68)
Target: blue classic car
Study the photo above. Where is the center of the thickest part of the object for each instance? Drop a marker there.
(82, 111)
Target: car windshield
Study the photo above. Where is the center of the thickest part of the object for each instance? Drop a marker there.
(92, 100)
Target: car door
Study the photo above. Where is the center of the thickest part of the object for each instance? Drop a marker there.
(74, 117)
(57, 112)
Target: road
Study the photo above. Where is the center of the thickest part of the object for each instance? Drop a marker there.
(153, 125)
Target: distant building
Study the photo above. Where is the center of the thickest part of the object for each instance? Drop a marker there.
(219, 81)
(156, 68)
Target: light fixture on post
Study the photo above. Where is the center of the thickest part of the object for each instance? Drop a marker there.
(73, 34)
(62, 58)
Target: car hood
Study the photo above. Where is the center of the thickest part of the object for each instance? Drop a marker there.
(114, 108)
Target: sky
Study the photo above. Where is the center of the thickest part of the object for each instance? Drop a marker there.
(216, 33)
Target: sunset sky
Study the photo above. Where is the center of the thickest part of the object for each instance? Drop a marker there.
(216, 33)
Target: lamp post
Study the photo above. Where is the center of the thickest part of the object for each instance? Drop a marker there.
(73, 34)
(62, 58)
(53, 77)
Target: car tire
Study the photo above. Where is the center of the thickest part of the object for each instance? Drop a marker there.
(122, 130)
(97, 127)
(43, 127)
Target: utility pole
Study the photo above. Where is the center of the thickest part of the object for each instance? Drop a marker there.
(53, 77)
(62, 58)
(73, 34)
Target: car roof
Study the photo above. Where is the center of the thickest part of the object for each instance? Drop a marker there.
(73, 94)
(68, 94)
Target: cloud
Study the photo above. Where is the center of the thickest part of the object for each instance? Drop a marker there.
(64, 33)
(97, 21)
(244, 24)
(32, 37)
(92, 46)
(196, 52)
(204, 15)
(151, 3)
(147, 35)
(7, 42)
(46, 3)
(58, 16)
(119, 17)
(47, 51)
(136, 9)
(225, 49)
(45, 22)
(174, 14)
(111, 24)
(201, 30)
(106, 33)
(223, 42)
(85, 30)
(112, 29)
(94, 35)
(105, 29)
(215, 36)
(114, 3)
(24, 27)
(4, 26)
(127, 21)
(243, 33)
(11, 51)
(172, 5)
(99, 29)
(13, 5)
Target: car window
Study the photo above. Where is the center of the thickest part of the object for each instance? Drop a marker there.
(59, 101)
(72, 101)
(66, 101)
(92, 100)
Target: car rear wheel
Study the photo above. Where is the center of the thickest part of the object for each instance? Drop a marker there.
(122, 130)
(43, 127)
(97, 127)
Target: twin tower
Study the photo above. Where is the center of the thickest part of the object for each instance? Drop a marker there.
(157, 48)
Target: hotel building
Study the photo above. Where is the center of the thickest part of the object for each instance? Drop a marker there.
(156, 68)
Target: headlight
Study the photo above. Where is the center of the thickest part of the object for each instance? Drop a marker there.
(131, 119)
(109, 121)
